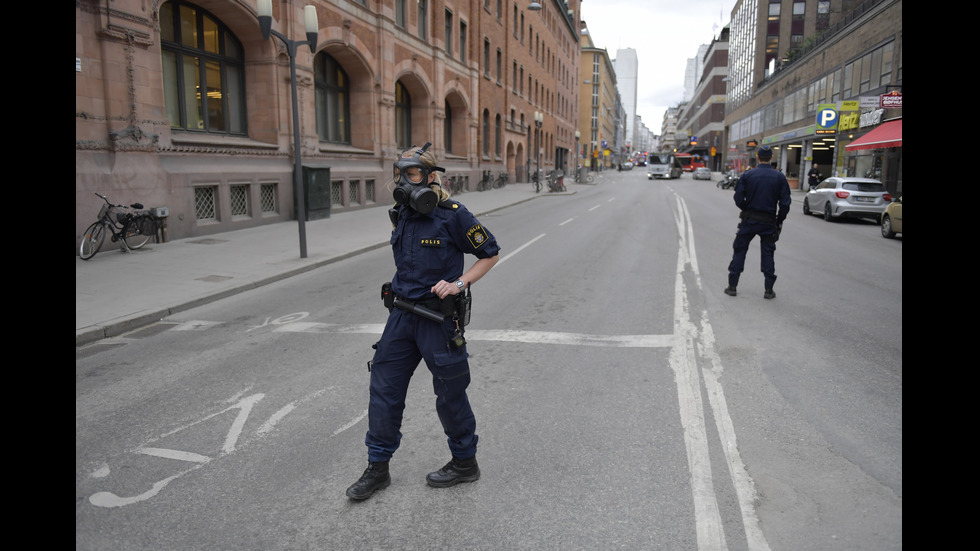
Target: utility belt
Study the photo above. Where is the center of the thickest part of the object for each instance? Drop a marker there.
(758, 216)
(456, 307)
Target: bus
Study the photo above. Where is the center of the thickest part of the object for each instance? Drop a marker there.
(689, 162)
(663, 165)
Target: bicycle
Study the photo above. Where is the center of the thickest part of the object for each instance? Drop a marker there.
(556, 181)
(455, 185)
(501, 180)
(132, 228)
(536, 180)
(486, 181)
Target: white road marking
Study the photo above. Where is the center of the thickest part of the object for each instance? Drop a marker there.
(690, 338)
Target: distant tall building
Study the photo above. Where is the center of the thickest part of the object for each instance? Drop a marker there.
(693, 71)
(626, 66)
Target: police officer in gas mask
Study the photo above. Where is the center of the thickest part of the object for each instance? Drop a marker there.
(427, 300)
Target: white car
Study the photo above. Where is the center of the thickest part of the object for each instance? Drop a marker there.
(842, 197)
(702, 173)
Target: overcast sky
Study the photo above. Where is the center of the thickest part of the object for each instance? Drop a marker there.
(665, 34)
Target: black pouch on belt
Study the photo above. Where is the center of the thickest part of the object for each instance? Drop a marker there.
(387, 296)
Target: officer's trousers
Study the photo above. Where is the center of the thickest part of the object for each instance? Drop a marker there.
(407, 340)
(743, 237)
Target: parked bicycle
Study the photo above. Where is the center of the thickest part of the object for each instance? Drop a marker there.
(486, 181)
(556, 181)
(536, 181)
(455, 185)
(134, 229)
(501, 180)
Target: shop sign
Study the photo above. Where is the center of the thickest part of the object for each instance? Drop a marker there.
(891, 100)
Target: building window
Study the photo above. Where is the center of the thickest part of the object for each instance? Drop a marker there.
(205, 203)
(447, 128)
(823, 15)
(486, 57)
(772, 32)
(238, 200)
(337, 192)
(203, 71)
(332, 100)
(449, 33)
(353, 192)
(400, 13)
(403, 116)
(500, 64)
(796, 25)
(269, 198)
(486, 132)
(462, 41)
(423, 14)
(369, 190)
(496, 136)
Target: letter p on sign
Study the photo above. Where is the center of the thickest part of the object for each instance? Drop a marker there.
(826, 119)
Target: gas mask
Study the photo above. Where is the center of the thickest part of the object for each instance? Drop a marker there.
(412, 182)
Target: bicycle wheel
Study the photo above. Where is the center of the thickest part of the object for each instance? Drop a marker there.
(91, 241)
(591, 178)
(134, 235)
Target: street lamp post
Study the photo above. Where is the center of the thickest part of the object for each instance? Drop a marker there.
(538, 121)
(578, 154)
(312, 30)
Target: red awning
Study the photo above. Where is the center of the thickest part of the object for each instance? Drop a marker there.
(888, 134)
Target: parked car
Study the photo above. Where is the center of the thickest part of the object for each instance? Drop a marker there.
(628, 165)
(702, 173)
(891, 219)
(843, 197)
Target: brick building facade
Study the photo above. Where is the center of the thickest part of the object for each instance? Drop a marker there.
(183, 104)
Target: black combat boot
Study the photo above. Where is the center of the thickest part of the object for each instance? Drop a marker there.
(456, 471)
(770, 281)
(732, 283)
(375, 477)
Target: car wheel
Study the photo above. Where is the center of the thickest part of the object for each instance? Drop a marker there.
(827, 215)
(806, 207)
(886, 227)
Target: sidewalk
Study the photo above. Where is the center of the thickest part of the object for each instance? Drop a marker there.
(116, 292)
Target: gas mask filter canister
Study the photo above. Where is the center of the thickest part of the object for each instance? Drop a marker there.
(411, 178)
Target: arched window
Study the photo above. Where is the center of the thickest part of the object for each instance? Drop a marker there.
(203, 71)
(403, 116)
(332, 100)
(447, 128)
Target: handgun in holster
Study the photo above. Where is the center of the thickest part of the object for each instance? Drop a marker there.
(463, 303)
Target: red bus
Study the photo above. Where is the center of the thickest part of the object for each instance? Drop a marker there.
(689, 162)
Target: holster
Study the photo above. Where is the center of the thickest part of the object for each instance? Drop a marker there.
(463, 304)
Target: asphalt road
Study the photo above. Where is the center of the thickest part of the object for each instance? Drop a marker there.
(622, 400)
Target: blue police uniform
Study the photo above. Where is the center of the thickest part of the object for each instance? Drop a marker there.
(427, 248)
(763, 196)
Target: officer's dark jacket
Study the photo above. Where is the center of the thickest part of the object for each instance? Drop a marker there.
(429, 248)
(763, 189)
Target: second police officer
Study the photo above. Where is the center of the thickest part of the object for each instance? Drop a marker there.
(762, 194)
(431, 235)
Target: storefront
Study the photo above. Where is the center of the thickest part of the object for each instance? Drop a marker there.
(878, 154)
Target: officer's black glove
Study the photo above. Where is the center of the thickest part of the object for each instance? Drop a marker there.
(775, 234)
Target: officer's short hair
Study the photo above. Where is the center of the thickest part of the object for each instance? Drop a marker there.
(764, 153)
